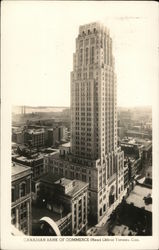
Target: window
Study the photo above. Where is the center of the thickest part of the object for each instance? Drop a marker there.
(100, 212)
(72, 175)
(22, 189)
(92, 55)
(86, 56)
(104, 207)
(84, 178)
(77, 176)
(13, 194)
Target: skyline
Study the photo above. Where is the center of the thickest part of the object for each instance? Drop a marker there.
(39, 56)
(32, 109)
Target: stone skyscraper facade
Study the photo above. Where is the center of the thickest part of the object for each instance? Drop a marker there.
(95, 157)
(93, 95)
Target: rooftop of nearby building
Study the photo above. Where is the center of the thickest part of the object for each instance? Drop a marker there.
(138, 197)
(70, 187)
(146, 143)
(49, 151)
(66, 145)
(33, 157)
(18, 168)
(35, 131)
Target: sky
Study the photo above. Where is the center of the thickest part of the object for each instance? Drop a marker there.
(38, 41)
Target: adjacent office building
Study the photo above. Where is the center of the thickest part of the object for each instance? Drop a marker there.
(95, 157)
(65, 202)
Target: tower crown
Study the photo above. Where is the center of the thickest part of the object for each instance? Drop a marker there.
(92, 28)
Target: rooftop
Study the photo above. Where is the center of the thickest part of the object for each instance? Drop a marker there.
(66, 145)
(18, 168)
(72, 186)
(136, 141)
(137, 197)
(32, 158)
(35, 131)
(78, 185)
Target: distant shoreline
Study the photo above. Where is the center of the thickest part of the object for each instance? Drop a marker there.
(39, 109)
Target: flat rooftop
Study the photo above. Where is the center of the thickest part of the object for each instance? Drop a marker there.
(61, 181)
(35, 131)
(137, 197)
(77, 187)
(33, 158)
(18, 168)
(66, 145)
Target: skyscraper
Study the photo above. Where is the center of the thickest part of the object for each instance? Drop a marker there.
(95, 157)
(93, 94)
(94, 106)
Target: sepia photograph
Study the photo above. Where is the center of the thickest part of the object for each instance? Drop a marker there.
(79, 111)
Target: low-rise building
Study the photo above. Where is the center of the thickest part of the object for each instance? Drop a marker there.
(133, 217)
(34, 137)
(35, 161)
(139, 205)
(87, 171)
(17, 136)
(133, 166)
(21, 198)
(66, 202)
(39, 164)
(139, 134)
